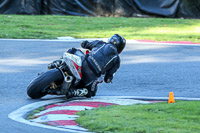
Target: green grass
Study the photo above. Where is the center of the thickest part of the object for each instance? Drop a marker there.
(179, 117)
(31, 114)
(50, 27)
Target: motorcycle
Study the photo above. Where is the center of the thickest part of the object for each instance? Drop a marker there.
(62, 75)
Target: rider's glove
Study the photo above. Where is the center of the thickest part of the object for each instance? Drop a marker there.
(84, 43)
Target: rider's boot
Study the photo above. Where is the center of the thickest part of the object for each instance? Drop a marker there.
(77, 93)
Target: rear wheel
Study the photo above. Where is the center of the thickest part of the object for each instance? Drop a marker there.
(36, 89)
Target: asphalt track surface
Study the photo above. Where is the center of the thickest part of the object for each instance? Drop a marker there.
(150, 70)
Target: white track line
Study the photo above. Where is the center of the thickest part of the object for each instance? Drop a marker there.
(19, 114)
(54, 117)
(78, 108)
(147, 98)
(104, 39)
(115, 100)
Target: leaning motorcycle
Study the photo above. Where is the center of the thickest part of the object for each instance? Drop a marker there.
(62, 75)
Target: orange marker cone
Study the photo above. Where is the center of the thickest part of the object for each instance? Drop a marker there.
(171, 98)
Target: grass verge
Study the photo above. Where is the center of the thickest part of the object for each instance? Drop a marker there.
(50, 27)
(31, 114)
(179, 117)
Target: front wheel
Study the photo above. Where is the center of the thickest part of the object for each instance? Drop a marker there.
(36, 89)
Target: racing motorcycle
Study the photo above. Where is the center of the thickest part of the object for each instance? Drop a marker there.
(62, 75)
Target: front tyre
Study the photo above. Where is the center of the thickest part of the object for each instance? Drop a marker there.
(36, 89)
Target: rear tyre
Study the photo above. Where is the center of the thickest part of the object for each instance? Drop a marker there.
(36, 89)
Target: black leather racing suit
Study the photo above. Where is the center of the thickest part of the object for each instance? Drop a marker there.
(103, 59)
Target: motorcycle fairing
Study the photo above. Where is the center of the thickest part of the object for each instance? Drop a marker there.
(75, 64)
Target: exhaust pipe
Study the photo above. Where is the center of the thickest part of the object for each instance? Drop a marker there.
(66, 84)
(68, 79)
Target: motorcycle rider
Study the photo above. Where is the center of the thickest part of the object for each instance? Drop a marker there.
(102, 60)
